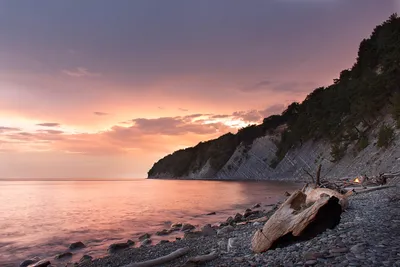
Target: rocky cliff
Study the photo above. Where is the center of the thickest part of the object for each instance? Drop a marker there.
(348, 127)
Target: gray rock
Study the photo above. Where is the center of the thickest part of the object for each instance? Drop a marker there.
(63, 255)
(310, 262)
(238, 217)
(258, 205)
(163, 232)
(189, 235)
(232, 243)
(225, 230)
(187, 227)
(77, 245)
(207, 230)
(85, 258)
(118, 246)
(144, 236)
(146, 242)
(339, 250)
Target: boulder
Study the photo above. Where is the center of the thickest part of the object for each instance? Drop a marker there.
(163, 232)
(42, 263)
(164, 241)
(63, 255)
(85, 258)
(176, 225)
(130, 242)
(77, 245)
(207, 230)
(145, 236)
(258, 205)
(187, 227)
(211, 213)
(225, 230)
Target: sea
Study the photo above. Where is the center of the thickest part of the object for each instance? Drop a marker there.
(41, 218)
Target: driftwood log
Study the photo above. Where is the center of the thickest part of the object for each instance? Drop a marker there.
(201, 259)
(305, 214)
(161, 260)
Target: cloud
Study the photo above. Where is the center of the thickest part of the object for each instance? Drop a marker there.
(8, 129)
(274, 86)
(98, 113)
(48, 124)
(183, 109)
(80, 72)
(272, 110)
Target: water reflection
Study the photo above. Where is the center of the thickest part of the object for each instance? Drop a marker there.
(42, 218)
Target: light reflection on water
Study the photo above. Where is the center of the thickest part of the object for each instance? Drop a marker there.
(41, 218)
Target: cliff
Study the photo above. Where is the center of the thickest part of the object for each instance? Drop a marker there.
(349, 127)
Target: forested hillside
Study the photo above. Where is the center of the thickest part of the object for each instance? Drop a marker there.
(342, 113)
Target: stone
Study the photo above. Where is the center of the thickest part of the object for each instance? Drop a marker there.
(145, 236)
(118, 246)
(176, 225)
(258, 205)
(146, 242)
(63, 255)
(238, 217)
(313, 255)
(287, 194)
(357, 248)
(130, 242)
(225, 230)
(222, 245)
(207, 230)
(164, 241)
(189, 235)
(339, 250)
(187, 227)
(77, 245)
(163, 232)
(85, 258)
(232, 243)
(178, 238)
(42, 263)
(211, 213)
(230, 220)
(310, 262)
(256, 224)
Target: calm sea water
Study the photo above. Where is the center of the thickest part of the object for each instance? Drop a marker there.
(41, 218)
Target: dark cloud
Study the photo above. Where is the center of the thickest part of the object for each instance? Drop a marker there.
(50, 131)
(98, 113)
(8, 129)
(48, 124)
(289, 87)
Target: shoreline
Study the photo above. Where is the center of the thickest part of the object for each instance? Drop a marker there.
(336, 246)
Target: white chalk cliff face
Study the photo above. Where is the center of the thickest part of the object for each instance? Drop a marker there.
(253, 163)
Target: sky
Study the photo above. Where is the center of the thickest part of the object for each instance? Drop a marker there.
(103, 89)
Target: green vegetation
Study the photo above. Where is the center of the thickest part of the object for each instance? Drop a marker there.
(385, 136)
(342, 113)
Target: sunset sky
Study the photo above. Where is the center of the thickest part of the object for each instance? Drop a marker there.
(103, 89)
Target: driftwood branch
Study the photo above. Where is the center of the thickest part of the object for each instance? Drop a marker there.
(201, 259)
(161, 260)
(309, 174)
(318, 176)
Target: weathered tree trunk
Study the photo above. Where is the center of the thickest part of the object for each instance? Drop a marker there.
(302, 216)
